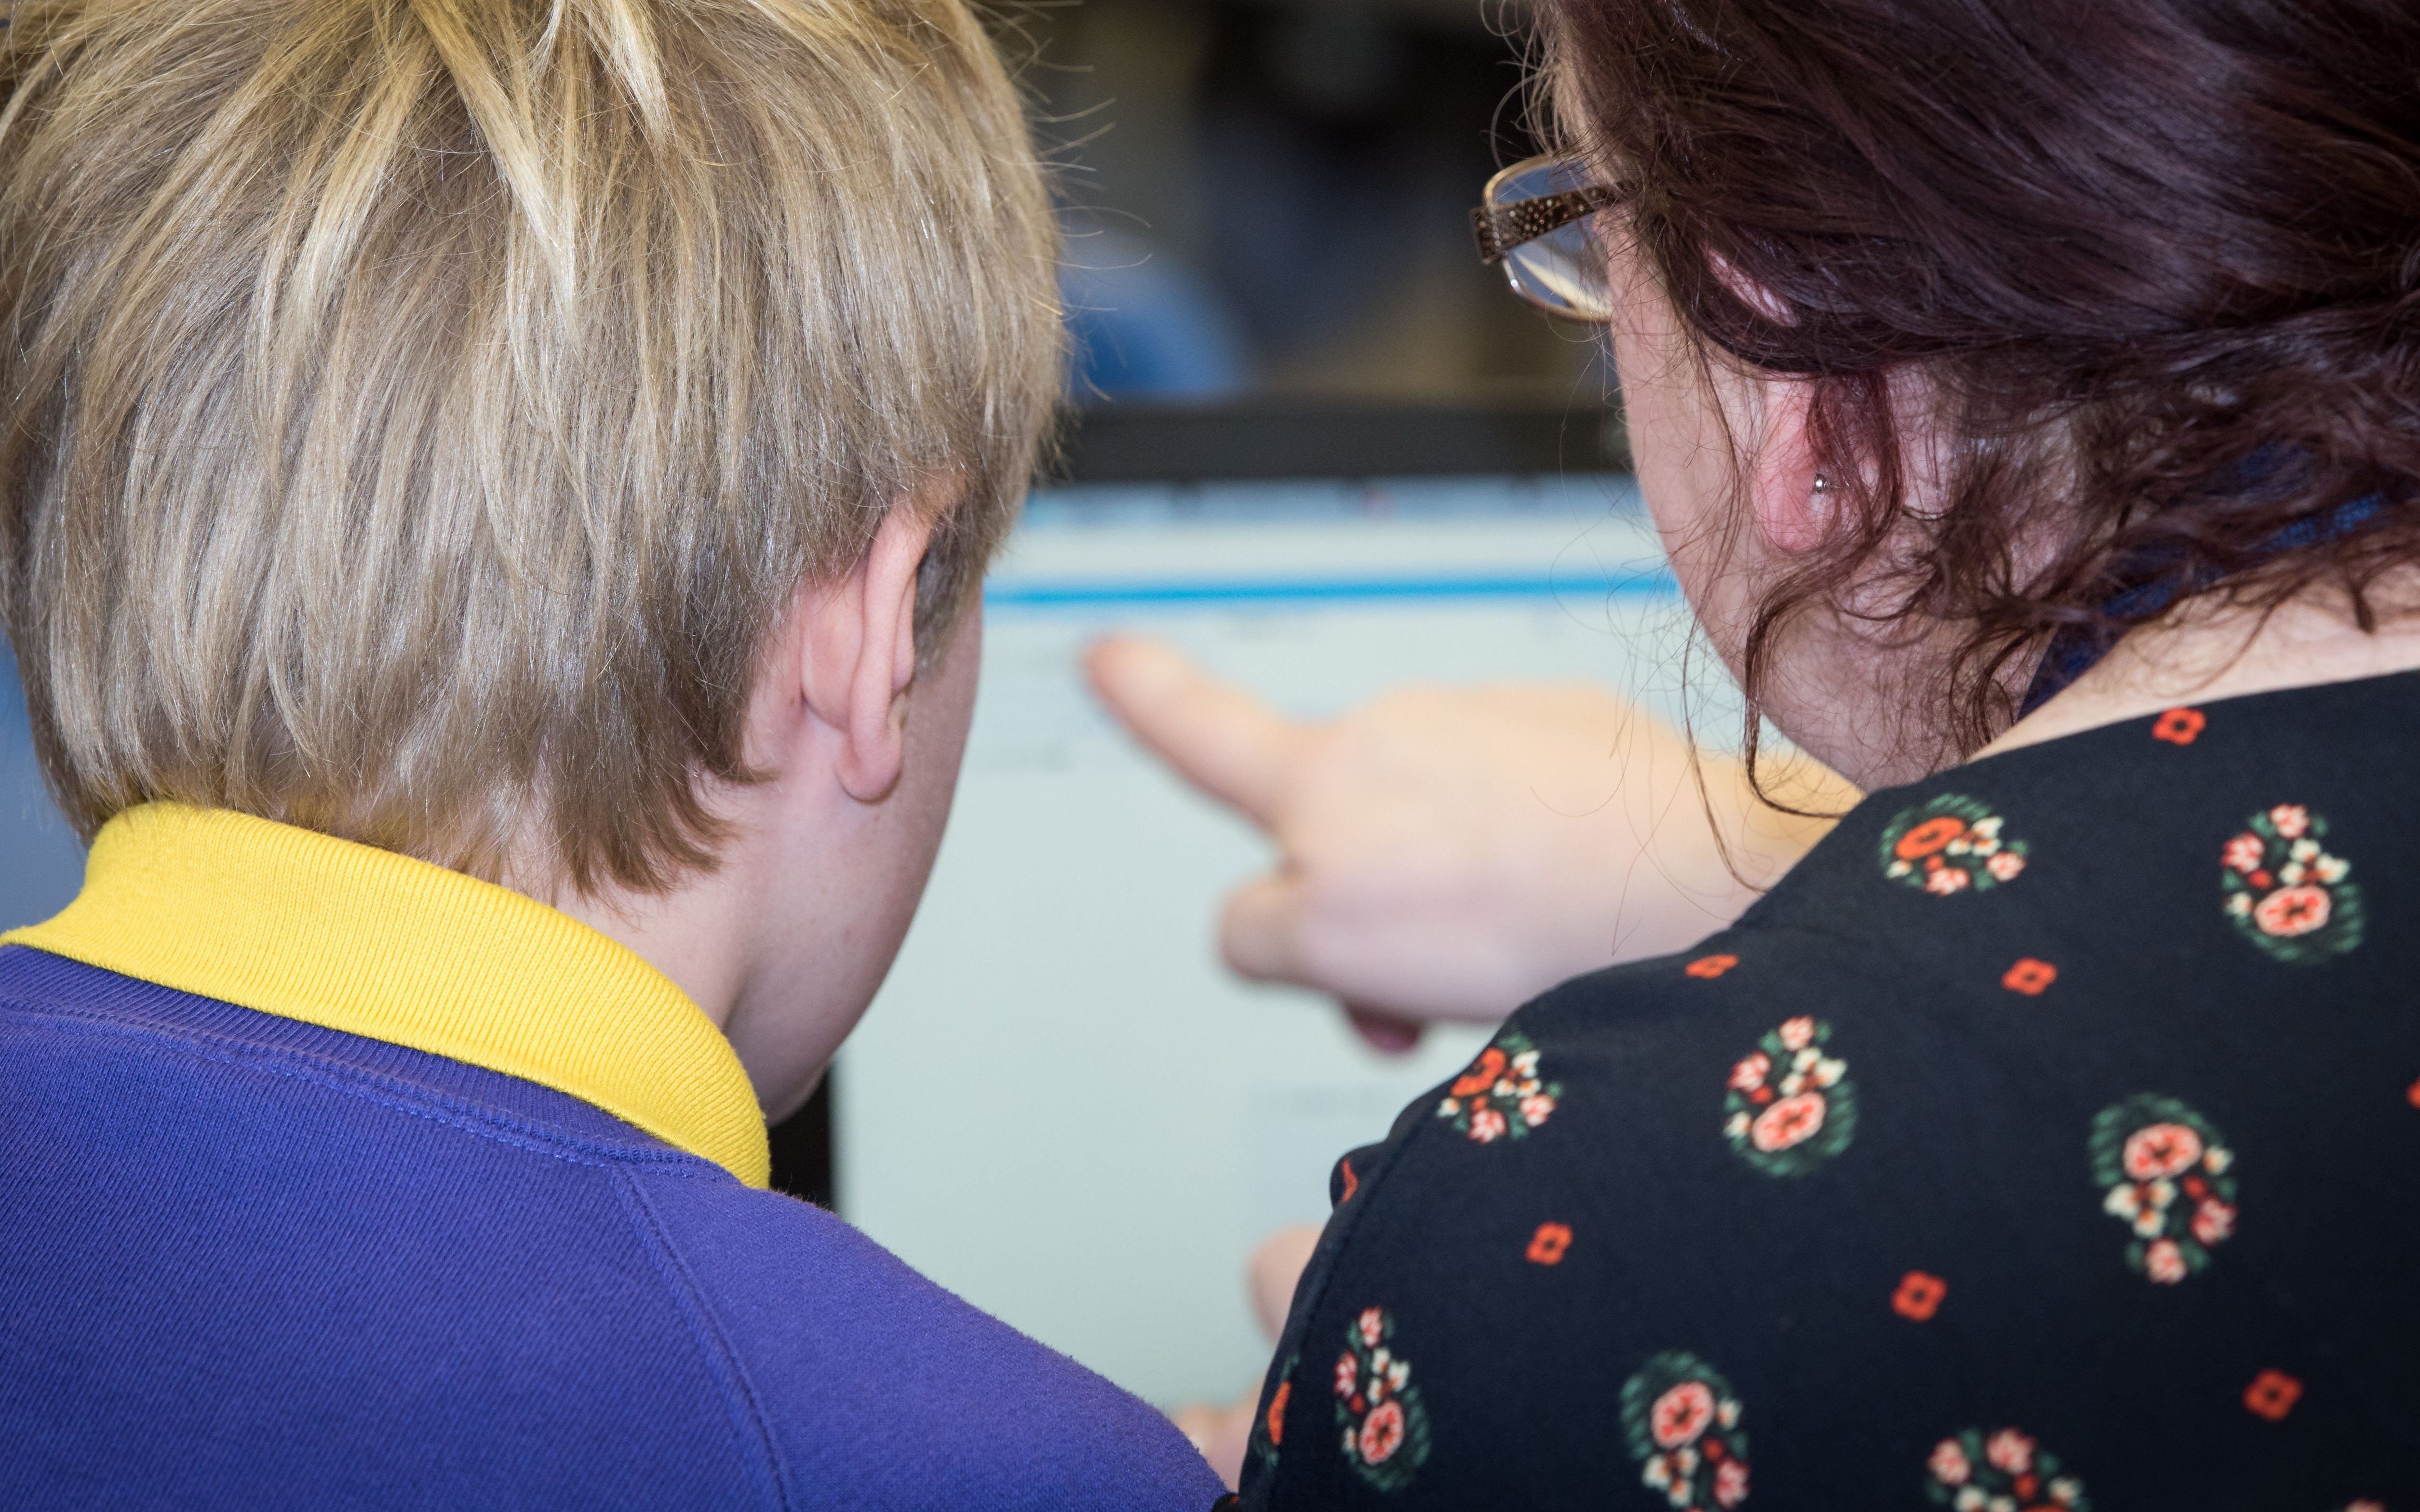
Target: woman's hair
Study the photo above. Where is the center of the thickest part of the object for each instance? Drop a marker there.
(416, 415)
(2155, 264)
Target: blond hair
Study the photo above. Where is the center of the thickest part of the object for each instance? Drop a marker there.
(419, 412)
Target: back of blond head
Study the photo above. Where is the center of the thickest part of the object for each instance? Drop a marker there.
(419, 412)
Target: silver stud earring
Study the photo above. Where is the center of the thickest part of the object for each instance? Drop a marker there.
(1823, 484)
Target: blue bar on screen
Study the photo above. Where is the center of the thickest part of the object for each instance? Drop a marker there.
(1039, 594)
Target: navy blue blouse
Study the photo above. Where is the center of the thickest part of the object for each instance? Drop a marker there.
(2050, 1139)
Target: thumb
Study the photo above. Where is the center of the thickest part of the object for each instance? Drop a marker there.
(1218, 737)
(1385, 1032)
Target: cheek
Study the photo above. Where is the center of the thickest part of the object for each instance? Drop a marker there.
(1681, 456)
(940, 712)
(947, 710)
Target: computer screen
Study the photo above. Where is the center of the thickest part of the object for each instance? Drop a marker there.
(1062, 1105)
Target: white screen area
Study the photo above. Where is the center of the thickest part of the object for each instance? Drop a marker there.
(1062, 1106)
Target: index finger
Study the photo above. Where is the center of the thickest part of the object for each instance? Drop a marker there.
(1218, 737)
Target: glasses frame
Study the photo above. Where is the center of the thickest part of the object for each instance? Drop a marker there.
(1500, 228)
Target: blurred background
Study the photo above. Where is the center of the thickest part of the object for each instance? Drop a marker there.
(40, 861)
(1270, 200)
(1322, 448)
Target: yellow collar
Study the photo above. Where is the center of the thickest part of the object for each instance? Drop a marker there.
(295, 923)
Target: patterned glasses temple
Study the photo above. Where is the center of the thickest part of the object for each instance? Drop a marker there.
(1499, 228)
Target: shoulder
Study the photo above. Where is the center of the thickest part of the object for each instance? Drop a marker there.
(1670, 1171)
(402, 1219)
(1944, 943)
(860, 1372)
(1983, 1088)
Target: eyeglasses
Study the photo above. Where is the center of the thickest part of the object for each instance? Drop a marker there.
(1532, 219)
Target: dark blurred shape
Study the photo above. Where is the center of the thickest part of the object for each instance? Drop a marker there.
(1273, 198)
(1272, 437)
(1328, 60)
(802, 1149)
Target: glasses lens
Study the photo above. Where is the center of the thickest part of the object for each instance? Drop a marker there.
(1561, 272)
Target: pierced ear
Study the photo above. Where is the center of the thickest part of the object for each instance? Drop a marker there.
(1794, 514)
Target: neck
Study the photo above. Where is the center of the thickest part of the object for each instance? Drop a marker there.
(694, 934)
(784, 941)
(2206, 652)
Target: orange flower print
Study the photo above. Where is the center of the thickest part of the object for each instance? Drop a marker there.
(1787, 1106)
(2179, 727)
(1918, 1296)
(1928, 836)
(1269, 1431)
(2029, 976)
(1546, 1246)
(1481, 1075)
(1385, 1426)
(2283, 889)
(2272, 1394)
(1970, 1472)
(2164, 1174)
(1501, 1095)
(1706, 967)
(1951, 845)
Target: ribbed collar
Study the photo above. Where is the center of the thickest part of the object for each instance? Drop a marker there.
(292, 922)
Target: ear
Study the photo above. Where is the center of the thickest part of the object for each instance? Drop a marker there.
(1781, 484)
(1792, 514)
(860, 645)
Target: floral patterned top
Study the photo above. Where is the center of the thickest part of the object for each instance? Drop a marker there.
(2047, 1140)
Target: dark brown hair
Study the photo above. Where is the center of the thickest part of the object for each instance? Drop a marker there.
(2159, 261)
